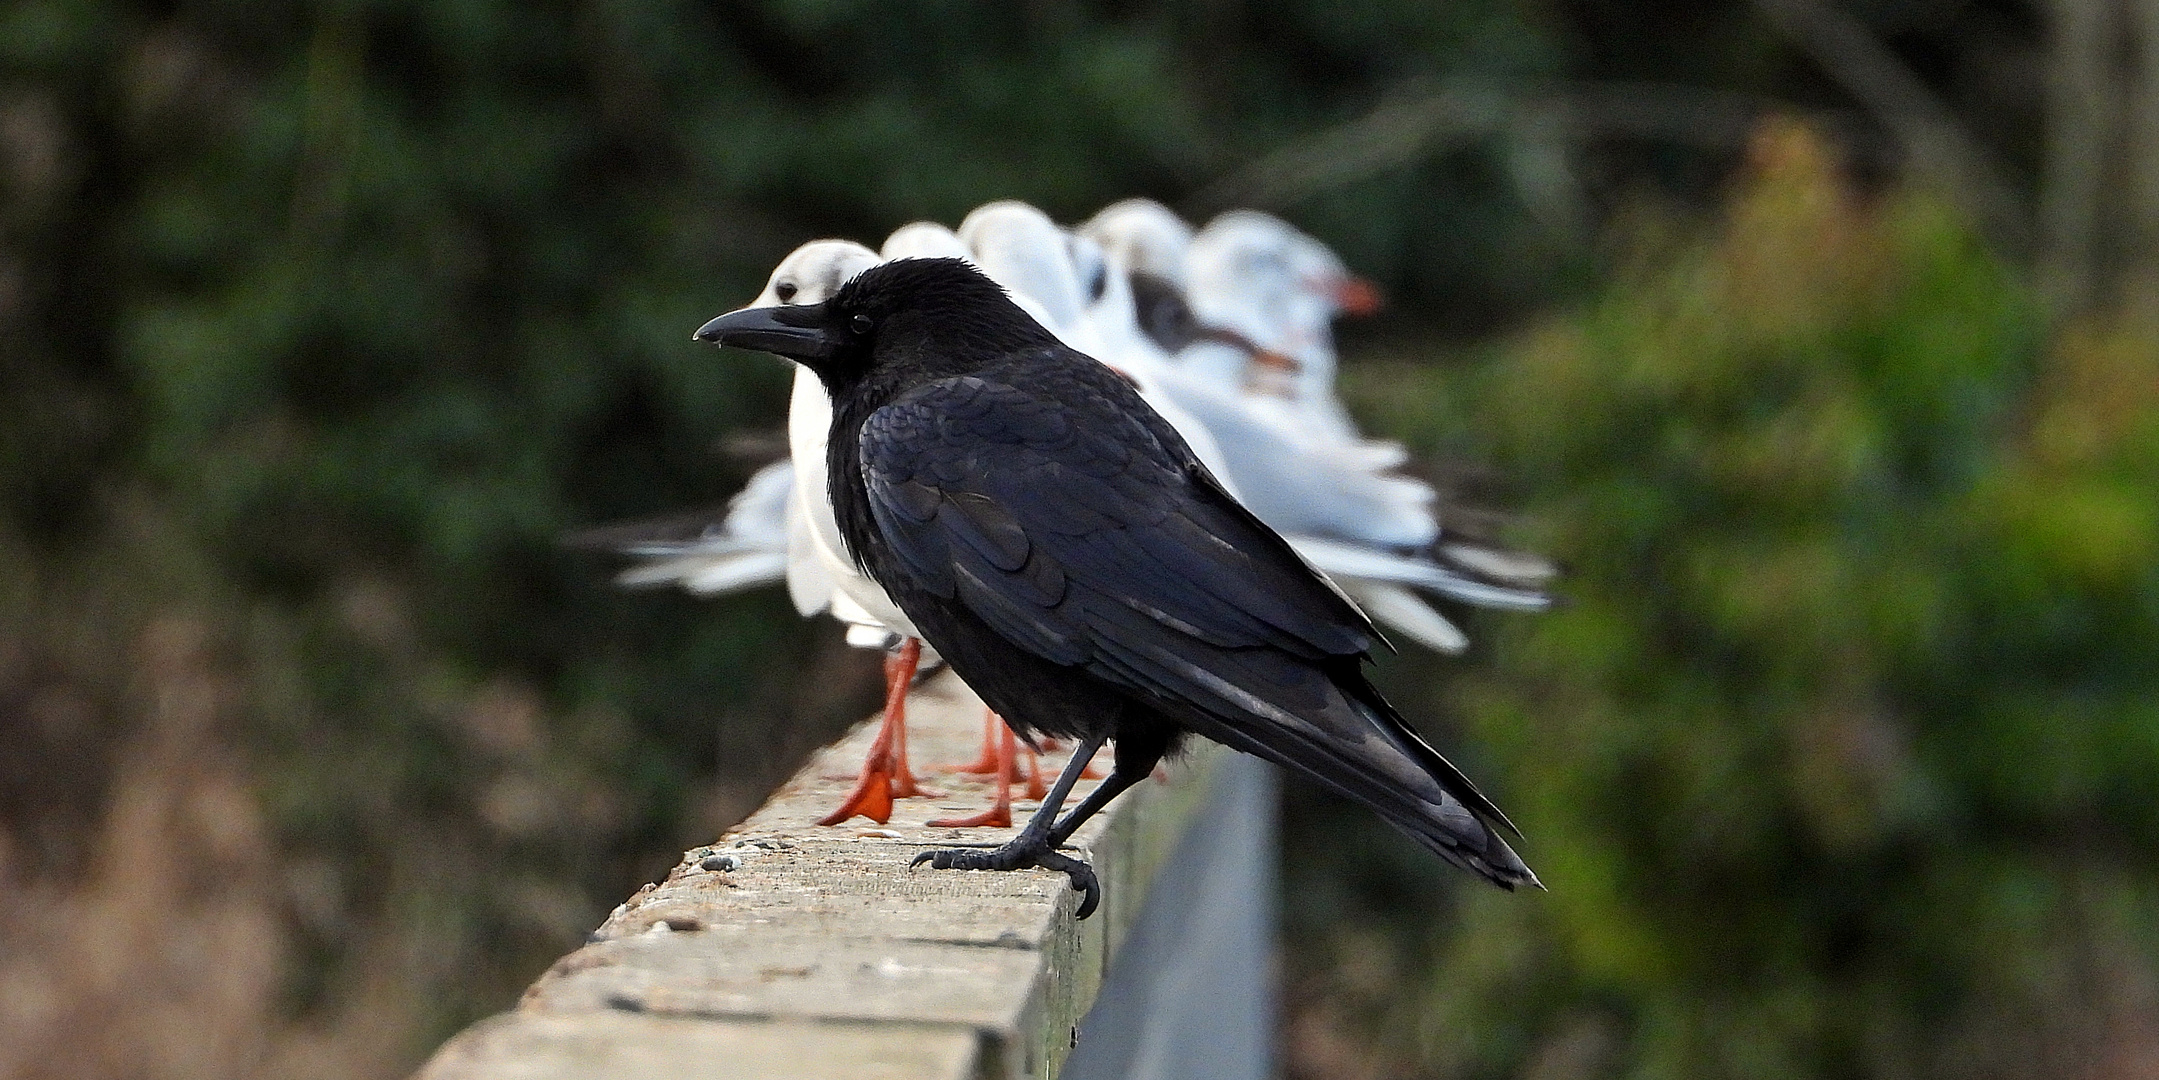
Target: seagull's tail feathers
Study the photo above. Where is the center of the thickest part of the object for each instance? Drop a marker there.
(1493, 565)
(1438, 572)
(1398, 609)
(1374, 506)
(706, 572)
(760, 542)
(1376, 455)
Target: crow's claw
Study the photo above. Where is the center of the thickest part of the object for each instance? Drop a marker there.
(1082, 876)
(1011, 857)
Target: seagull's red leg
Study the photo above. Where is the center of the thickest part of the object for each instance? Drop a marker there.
(886, 764)
(904, 784)
(1051, 744)
(1048, 744)
(987, 762)
(901, 667)
(1036, 789)
(1000, 813)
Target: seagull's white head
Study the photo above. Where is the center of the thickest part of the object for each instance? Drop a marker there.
(810, 274)
(925, 240)
(1097, 275)
(1020, 248)
(1144, 236)
(1259, 256)
(1106, 287)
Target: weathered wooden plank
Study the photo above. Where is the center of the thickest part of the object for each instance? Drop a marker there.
(786, 931)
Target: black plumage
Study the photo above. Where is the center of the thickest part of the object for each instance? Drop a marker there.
(1059, 544)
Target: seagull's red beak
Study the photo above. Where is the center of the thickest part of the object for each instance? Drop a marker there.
(1358, 297)
(1272, 373)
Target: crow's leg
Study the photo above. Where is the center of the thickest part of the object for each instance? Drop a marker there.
(1050, 744)
(884, 771)
(1137, 755)
(1033, 846)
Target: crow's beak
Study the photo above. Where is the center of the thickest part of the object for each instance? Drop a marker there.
(795, 331)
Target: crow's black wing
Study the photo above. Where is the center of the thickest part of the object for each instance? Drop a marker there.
(1073, 521)
(1035, 507)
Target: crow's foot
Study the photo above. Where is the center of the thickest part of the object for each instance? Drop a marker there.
(1021, 854)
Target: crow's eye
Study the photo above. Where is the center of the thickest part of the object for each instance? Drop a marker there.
(861, 324)
(785, 291)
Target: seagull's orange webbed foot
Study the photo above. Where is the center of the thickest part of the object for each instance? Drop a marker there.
(884, 772)
(985, 762)
(872, 796)
(999, 814)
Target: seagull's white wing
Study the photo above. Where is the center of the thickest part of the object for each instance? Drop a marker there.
(746, 550)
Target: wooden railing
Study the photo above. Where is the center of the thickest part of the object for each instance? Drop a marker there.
(791, 950)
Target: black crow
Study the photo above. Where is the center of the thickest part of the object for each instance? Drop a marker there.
(1057, 542)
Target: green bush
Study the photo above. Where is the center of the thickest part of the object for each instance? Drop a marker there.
(1845, 759)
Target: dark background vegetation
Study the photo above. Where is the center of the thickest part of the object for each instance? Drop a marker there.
(1818, 341)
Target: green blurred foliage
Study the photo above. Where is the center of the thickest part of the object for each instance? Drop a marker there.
(1844, 760)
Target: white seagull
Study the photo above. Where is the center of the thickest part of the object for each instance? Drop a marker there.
(1327, 489)
(1285, 288)
(1001, 751)
(782, 521)
(1260, 276)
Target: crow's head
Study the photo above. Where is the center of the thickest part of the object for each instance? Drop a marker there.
(940, 316)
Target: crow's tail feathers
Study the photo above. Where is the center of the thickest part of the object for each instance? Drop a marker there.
(1451, 817)
(1362, 749)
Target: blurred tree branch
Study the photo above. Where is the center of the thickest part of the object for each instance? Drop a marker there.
(1404, 127)
(2144, 135)
(1935, 144)
(2079, 114)
(1416, 122)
